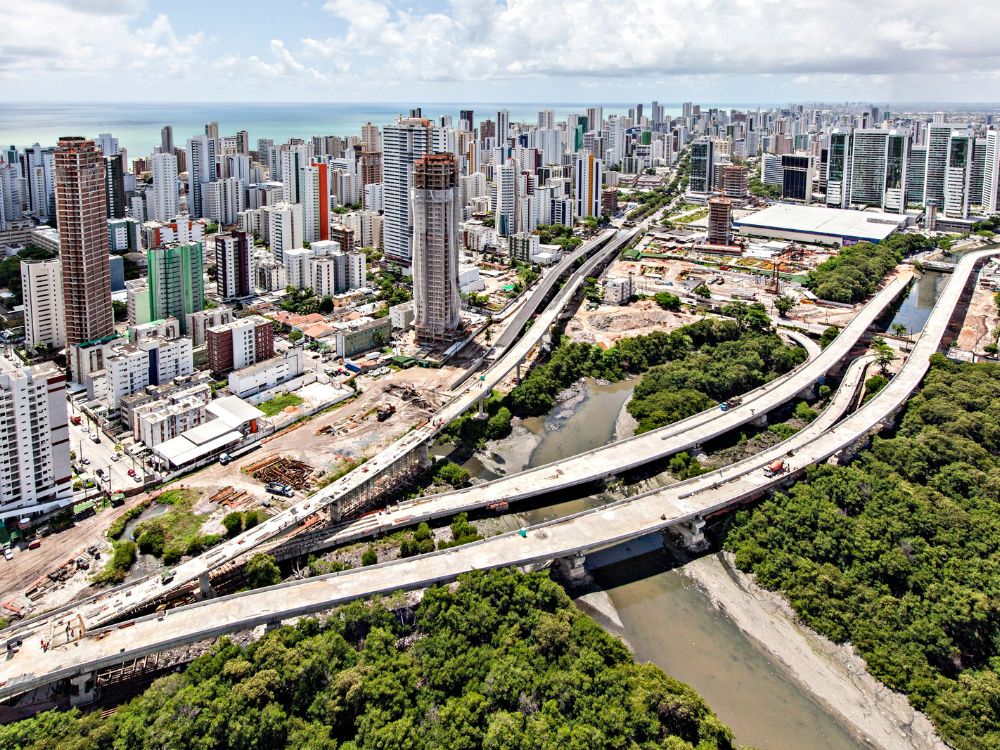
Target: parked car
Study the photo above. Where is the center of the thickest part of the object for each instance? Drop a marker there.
(131, 472)
(8, 553)
(34, 544)
(85, 461)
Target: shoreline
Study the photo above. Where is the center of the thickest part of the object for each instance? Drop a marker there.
(835, 676)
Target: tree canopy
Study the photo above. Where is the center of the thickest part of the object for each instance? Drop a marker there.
(503, 661)
(897, 553)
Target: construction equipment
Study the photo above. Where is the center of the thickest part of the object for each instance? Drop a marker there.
(384, 412)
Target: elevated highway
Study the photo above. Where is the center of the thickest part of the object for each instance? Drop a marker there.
(686, 504)
(357, 487)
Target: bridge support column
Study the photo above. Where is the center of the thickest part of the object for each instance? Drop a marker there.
(205, 590)
(573, 568)
(82, 689)
(760, 420)
(692, 533)
(808, 393)
(517, 372)
(336, 512)
(424, 455)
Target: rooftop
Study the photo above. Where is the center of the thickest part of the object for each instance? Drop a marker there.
(873, 226)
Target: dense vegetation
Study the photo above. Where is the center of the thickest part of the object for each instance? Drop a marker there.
(856, 271)
(706, 364)
(898, 552)
(706, 361)
(177, 532)
(557, 234)
(502, 662)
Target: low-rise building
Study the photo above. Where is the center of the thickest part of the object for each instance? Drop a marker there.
(362, 336)
(268, 374)
(228, 421)
(239, 344)
(199, 322)
(402, 315)
(618, 291)
(163, 419)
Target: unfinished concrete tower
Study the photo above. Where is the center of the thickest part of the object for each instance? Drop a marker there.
(436, 216)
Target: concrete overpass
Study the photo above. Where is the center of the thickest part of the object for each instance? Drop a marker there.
(368, 481)
(619, 456)
(684, 504)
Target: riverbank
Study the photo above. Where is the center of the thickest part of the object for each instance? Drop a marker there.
(835, 675)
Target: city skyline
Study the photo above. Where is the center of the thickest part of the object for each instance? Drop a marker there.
(518, 49)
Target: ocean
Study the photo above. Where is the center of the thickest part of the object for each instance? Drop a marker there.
(137, 125)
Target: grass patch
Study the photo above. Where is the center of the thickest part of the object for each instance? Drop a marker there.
(279, 403)
(177, 532)
(119, 565)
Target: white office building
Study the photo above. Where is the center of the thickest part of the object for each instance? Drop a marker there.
(163, 201)
(201, 170)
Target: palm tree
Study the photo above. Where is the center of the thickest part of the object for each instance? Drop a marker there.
(899, 329)
(884, 354)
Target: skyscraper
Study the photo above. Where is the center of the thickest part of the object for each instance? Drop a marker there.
(589, 176)
(34, 446)
(163, 204)
(702, 175)
(176, 282)
(503, 126)
(315, 199)
(114, 171)
(467, 120)
(720, 211)
(403, 142)
(991, 172)
(506, 178)
(167, 139)
(201, 170)
(234, 272)
(436, 218)
(44, 318)
(83, 240)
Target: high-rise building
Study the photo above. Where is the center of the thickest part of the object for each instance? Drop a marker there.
(164, 202)
(83, 240)
(735, 181)
(292, 158)
(34, 444)
(370, 138)
(991, 172)
(467, 120)
(201, 169)
(938, 148)
(41, 288)
(436, 238)
(958, 175)
(796, 177)
(506, 179)
(916, 167)
(838, 169)
(114, 174)
(546, 119)
(403, 142)
(370, 168)
(239, 344)
(589, 174)
(176, 280)
(284, 221)
(167, 139)
(503, 126)
(234, 266)
(702, 175)
(315, 200)
(10, 194)
(720, 211)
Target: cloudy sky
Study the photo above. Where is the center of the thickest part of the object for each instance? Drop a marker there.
(490, 50)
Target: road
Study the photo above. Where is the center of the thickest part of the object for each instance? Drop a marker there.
(684, 502)
(143, 592)
(623, 455)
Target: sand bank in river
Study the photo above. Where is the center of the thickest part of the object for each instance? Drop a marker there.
(835, 675)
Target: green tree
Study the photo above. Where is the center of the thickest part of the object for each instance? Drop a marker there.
(783, 304)
(667, 301)
(899, 329)
(262, 571)
(702, 291)
(884, 354)
(369, 556)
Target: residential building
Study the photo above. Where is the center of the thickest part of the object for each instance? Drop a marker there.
(589, 175)
(720, 213)
(160, 420)
(42, 290)
(284, 227)
(83, 240)
(403, 143)
(176, 281)
(359, 337)
(35, 472)
(199, 322)
(234, 266)
(618, 291)
(735, 181)
(436, 237)
(241, 343)
(163, 201)
(315, 180)
(201, 169)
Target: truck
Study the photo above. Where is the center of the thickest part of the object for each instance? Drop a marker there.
(76, 419)
(279, 488)
(225, 458)
(774, 468)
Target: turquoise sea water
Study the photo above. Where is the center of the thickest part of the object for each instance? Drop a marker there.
(137, 125)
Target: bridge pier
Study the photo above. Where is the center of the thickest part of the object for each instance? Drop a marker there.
(808, 393)
(82, 689)
(760, 420)
(692, 533)
(205, 590)
(573, 568)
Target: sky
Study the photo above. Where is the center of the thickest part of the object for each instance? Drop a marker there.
(762, 51)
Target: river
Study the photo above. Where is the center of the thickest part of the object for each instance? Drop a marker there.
(666, 618)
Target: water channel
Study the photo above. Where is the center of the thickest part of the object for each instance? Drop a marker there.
(667, 619)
